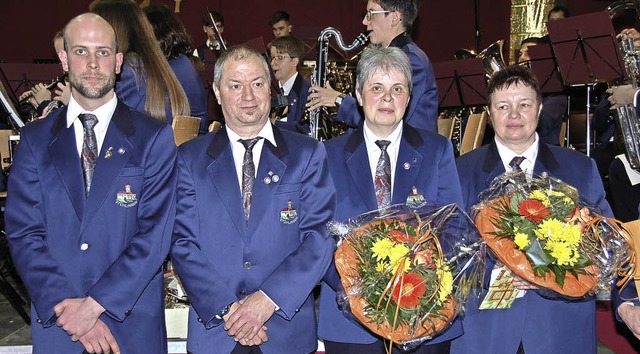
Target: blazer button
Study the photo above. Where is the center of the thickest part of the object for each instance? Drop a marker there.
(247, 265)
(84, 246)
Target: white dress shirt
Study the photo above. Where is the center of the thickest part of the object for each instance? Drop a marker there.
(103, 113)
(373, 151)
(530, 155)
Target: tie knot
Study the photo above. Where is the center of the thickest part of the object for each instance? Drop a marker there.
(516, 161)
(249, 143)
(88, 120)
(383, 144)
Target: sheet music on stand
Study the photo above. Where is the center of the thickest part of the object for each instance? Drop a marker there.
(587, 52)
(15, 119)
(545, 69)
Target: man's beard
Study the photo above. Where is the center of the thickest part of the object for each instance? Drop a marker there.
(89, 91)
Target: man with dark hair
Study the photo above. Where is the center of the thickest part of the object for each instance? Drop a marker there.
(389, 23)
(557, 13)
(280, 24)
(210, 50)
(534, 324)
(286, 55)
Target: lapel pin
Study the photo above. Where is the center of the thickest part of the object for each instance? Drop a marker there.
(415, 199)
(267, 180)
(108, 153)
(275, 178)
(289, 215)
(406, 165)
(126, 198)
(121, 151)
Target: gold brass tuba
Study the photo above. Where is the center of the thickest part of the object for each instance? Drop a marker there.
(626, 116)
(319, 77)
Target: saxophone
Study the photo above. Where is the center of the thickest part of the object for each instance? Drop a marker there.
(319, 77)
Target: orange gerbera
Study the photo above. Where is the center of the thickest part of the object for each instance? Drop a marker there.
(408, 290)
(400, 237)
(533, 210)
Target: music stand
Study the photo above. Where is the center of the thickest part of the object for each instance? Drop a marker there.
(15, 120)
(545, 68)
(587, 52)
(461, 83)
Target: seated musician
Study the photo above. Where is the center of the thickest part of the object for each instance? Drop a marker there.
(286, 55)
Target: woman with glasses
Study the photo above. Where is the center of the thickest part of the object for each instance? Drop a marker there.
(389, 23)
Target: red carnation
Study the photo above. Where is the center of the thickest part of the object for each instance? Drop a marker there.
(408, 290)
(533, 210)
(399, 236)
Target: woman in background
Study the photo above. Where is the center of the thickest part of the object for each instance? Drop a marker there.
(175, 43)
(146, 80)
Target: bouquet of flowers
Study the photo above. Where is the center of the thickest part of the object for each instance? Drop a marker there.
(544, 233)
(407, 272)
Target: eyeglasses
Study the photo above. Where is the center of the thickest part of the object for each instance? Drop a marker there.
(279, 58)
(370, 13)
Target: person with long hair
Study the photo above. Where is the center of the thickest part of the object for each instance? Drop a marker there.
(146, 80)
(175, 43)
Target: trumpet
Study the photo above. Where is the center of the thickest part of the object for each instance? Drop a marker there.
(25, 96)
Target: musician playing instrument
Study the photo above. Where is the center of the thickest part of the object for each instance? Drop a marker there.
(286, 55)
(390, 22)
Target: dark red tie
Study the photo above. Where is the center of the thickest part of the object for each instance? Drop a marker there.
(89, 154)
(515, 163)
(383, 175)
(248, 174)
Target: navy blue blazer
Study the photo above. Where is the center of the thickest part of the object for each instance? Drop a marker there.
(194, 89)
(221, 259)
(426, 161)
(109, 245)
(542, 325)
(297, 101)
(422, 112)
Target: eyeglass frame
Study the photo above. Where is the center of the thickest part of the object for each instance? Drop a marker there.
(369, 14)
(279, 58)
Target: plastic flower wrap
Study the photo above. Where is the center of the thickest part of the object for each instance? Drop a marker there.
(546, 234)
(407, 272)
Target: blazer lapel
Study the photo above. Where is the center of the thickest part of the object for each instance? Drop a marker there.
(408, 156)
(492, 164)
(357, 161)
(225, 180)
(107, 169)
(64, 156)
(545, 161)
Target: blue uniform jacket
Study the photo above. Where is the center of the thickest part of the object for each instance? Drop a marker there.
(543, 325)
(297, 101)
(426, 161)
(107, 245)
(221, 259)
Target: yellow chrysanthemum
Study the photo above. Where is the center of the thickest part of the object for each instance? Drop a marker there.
(381, 266)
(521, 240)
(539, 195)
(399, 252)
(562, 252)
(382, 248)
(549, 228)
(572, 235)
(446, 282)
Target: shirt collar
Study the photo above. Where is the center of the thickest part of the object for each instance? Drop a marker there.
(371, 138)
(286, 87)
(506, 155)
(103, 113)
(266, 132)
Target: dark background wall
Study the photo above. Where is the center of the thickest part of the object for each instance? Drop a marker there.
(27, 26)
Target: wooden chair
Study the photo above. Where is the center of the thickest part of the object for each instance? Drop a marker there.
(445, 127)
(474, 132)
(185, 128)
